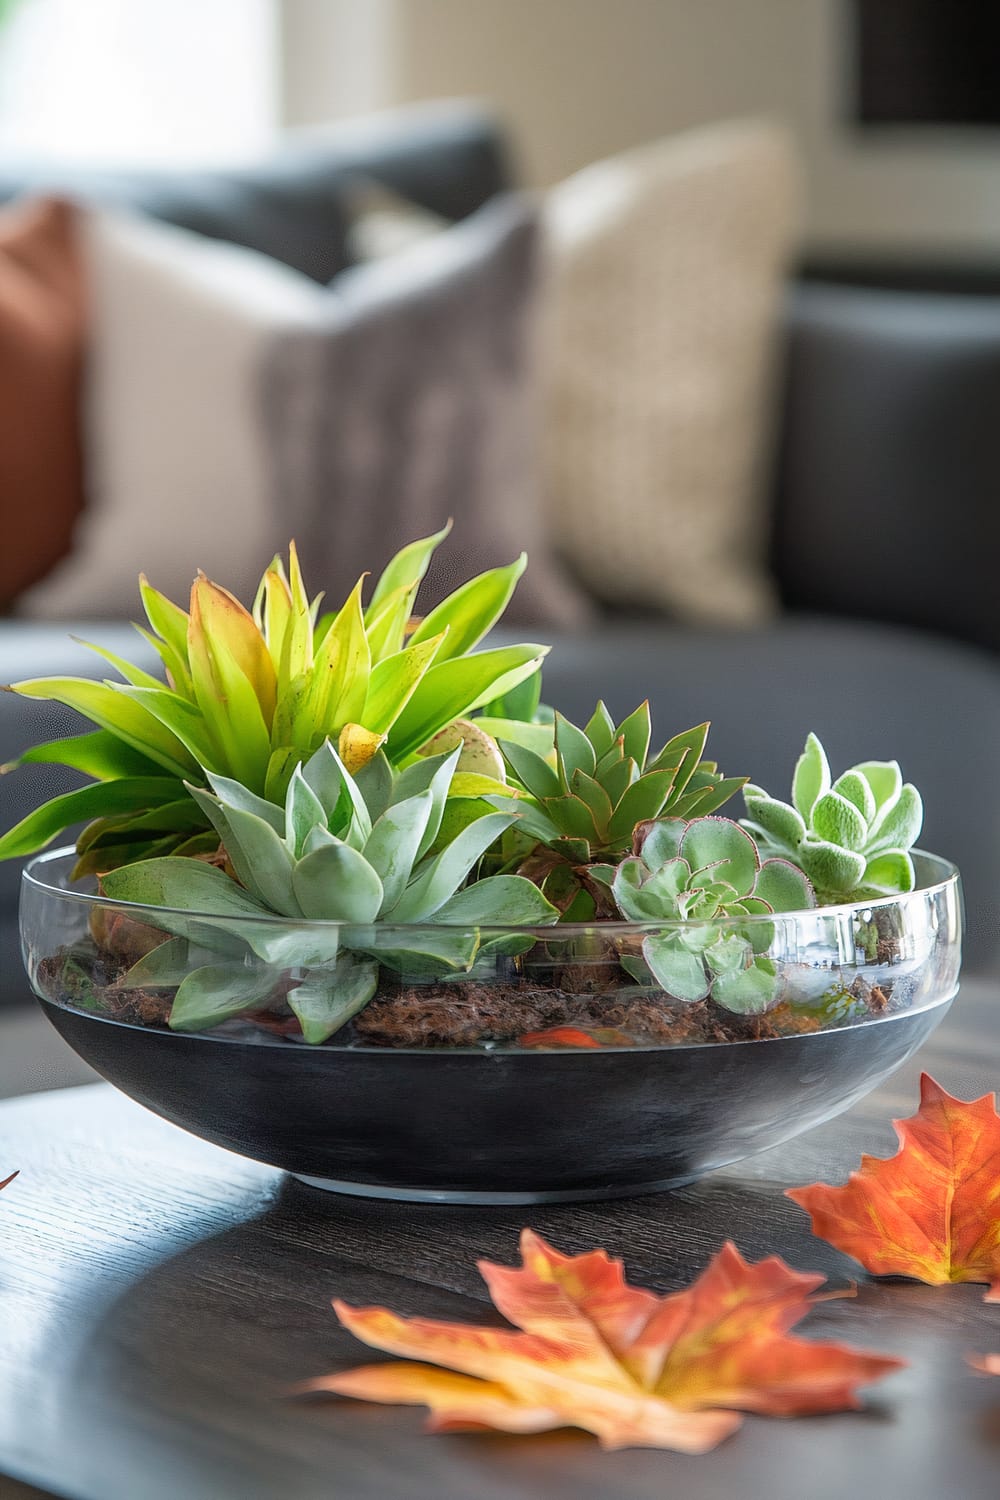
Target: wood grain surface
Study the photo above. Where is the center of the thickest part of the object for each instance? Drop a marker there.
(158, 1296)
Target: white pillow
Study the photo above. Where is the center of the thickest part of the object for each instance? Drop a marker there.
(665, 279)
(177, 467)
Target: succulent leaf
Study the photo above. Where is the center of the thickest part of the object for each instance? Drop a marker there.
(616, 776)
(662, 841)
(128, 794)
(856, 789)
(720, 846)
(838, 821)
(574, 818)
(783, 886)
(600, 731)
(811, 778)
(407, 568)
(750, 990)
(451, 689)
(573, 750)
(681, 973)
(779, 820)
(394, 846)
(395, 679)
(531, 771)
(472, 610)
(885, 779)
(635, 733)
(889, 873)
(446, 871)
(327, 1001)
(727, 954)
(831, 868)
(499, 901)
(898, 823)
(646, 798)
(684, 752)
(337, 884)
(216, 993)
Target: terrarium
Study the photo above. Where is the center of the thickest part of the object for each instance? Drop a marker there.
(351, 901)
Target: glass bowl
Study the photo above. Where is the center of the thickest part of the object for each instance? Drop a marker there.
(481, 1065)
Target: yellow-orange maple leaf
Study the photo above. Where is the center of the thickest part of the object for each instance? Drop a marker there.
(986, 1364)
(932, 1211)
(593, 1352)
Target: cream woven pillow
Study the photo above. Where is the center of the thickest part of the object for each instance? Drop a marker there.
(666, 272)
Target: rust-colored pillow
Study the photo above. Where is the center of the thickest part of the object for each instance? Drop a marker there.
(42, 327)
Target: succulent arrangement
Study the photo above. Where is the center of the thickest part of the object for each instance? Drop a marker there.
(321, 817)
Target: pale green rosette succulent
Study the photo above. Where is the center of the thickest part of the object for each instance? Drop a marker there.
(365, 851)
(851, 836)
(696, 873)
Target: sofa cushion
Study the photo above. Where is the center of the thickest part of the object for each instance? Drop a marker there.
(666, 270)
(890, 459)
(41, 348)
(415, 400)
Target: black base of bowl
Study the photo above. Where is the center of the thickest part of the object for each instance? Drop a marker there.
(499, 1199)
(496, 1127)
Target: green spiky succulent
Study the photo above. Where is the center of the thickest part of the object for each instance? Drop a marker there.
(362, 851)
(697, 873)
(604, 783)
(851, 836)
(251, 695)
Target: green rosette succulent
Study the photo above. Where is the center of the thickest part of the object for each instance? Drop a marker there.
(851, 836)
(586, 806)
(364, 851)
(697, 873)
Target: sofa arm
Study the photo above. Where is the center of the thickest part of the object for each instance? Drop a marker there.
(889, 462)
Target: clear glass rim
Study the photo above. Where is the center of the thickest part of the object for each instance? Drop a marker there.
(947, 876)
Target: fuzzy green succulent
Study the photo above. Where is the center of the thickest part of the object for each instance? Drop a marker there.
(585, 807)
(851, 836)
(697, 873)
(250, 695)
(362, 851)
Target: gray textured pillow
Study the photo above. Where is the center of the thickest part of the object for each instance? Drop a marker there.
(414, 398)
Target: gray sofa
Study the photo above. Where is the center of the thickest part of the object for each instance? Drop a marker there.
(884, 478)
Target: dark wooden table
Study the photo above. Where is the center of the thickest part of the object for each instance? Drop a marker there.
(157, 1296)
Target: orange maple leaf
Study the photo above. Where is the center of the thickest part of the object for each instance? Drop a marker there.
(593, 1352)
(986, 1364)
(932, 1211)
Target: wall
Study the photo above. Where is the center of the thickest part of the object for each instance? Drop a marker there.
(580, 78)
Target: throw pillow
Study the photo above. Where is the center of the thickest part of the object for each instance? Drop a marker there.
(665, 281)
(41, 346)
(415, 399)
(232, 403)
